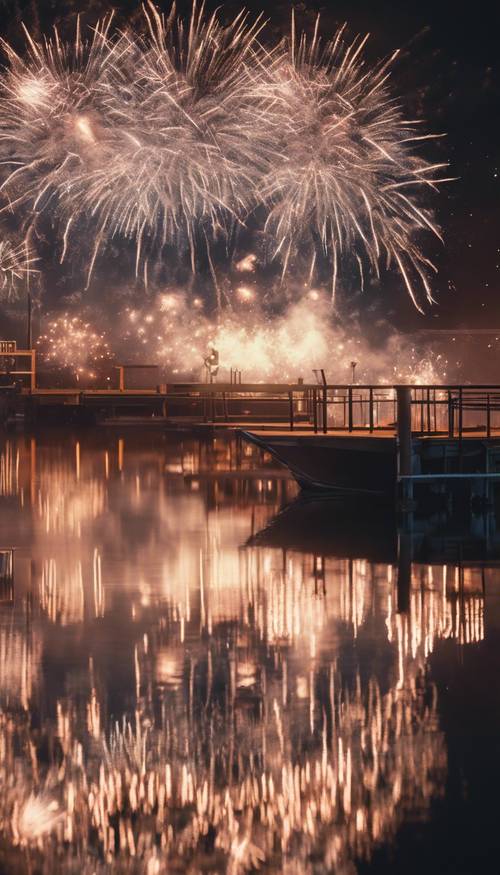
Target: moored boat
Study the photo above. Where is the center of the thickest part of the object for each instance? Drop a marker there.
(333, 462)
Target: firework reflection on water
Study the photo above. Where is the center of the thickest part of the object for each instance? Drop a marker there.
(245, 740)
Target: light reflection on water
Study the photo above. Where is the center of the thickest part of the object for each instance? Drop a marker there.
(178, 694)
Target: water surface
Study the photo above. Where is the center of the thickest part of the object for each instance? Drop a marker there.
(202, 672)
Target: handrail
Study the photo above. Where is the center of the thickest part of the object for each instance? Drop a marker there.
(450, 409)
(435, 409)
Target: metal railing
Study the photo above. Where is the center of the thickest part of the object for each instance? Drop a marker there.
(448, 410)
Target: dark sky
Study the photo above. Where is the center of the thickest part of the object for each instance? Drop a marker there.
(448, 75)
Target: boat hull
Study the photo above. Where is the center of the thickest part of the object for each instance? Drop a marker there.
(334, 463)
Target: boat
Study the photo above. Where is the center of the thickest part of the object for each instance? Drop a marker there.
(340, 463)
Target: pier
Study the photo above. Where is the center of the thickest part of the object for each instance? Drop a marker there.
(369, 438)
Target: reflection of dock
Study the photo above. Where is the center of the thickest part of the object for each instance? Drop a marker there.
(6, 575)
(462, 551)
(283, 676)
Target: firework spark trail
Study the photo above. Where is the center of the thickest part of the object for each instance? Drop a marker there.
(135, 138)
(174, 137)
(345, 178)
(44, 125)
(16, 263)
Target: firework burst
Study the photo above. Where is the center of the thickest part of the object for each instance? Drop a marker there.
(141, 139)
(48, 105)
(344, 181)
(51, 115)
(73, 345)
(186, 164)
(172, 138)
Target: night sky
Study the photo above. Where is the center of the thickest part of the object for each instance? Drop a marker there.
(448, 75)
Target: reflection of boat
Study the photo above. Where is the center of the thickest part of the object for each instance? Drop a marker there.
(345, 527)
(333, 526)
(366, 464)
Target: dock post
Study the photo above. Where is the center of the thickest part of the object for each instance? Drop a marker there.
(403, 425)
(403, 441)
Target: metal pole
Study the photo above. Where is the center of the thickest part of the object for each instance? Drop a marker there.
(451, 423)
(325, 409)
(290, 402)
(350, 411)
(403, 424)
(460, 428)
(371, 409)
(30, 331)
(33, 370)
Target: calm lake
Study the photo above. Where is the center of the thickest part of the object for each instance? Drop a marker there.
(201, 671)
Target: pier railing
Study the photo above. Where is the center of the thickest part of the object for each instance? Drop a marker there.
(449, 410)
